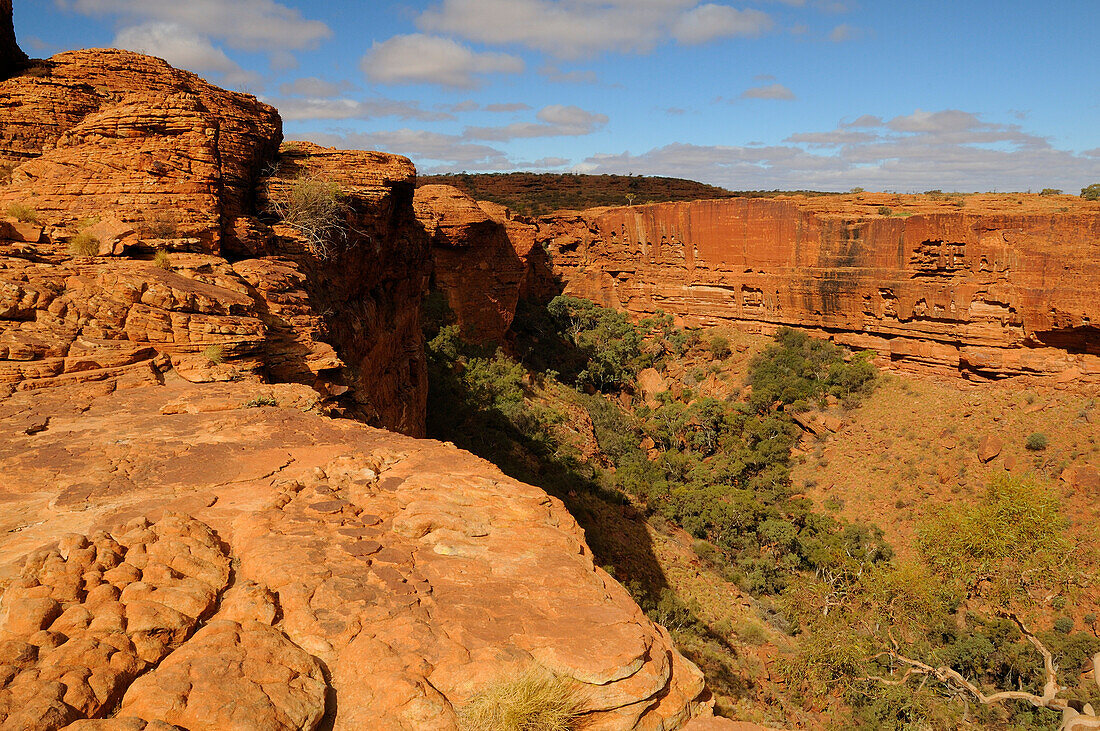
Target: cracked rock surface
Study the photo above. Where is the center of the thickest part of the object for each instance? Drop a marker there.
(227, 566)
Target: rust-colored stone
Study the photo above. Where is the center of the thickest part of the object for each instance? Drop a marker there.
(986, 293)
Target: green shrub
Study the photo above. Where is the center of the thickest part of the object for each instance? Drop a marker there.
(260, 401)
(884, 210)
(214, 353)
(84, 244)
(719, 346)
(532, 700)
(1050, 191)
(1063, 625)
(1091, 192)
(22, 213)
(1036, 442)
(162, 260)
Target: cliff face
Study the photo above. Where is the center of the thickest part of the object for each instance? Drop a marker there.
(479, 259)
(992, 293)
(370, 290)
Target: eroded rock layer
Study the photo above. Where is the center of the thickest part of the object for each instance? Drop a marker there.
(211, 556)
(162, 145)
(990, 294)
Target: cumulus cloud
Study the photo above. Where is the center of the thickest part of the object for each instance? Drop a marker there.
(948, 149)
(185, 49)
(296, 109)
(507, 108)
(555, 120)
(709, 21)
(424, 59)
(314, 87)
(578, 28)
(250, 25)
(432, 151)
(770, 91)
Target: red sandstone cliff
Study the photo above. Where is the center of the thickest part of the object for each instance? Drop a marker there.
(989, 292)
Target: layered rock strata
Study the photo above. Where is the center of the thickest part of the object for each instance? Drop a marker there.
(221, 545)
(479, 259)
(165, 148)
(987, 294)
(370, 285)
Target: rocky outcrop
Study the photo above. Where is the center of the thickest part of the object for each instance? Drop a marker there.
(11, 56)
(478, 259)
(211, 556)
(985, 293)
(166, 149)
(371, 285)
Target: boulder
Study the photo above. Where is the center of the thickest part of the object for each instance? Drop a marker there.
(989, 447)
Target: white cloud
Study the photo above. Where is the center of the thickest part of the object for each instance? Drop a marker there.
(578, 28)
(296, 109)
(577, 76)
(949, 150)
(423, 147)
(770, 91)
(185, 49)
(507, 108)
(555, 120)
(251, 25)
(314, 87)
(843, 32)
(423, 59)
(709, 21)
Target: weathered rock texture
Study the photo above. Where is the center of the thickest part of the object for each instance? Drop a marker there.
(478, 258)
(371, 287)
(160, 145)
(378, 581)
(989, 294)
(11, 56)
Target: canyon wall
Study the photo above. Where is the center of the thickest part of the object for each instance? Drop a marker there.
(984, 292)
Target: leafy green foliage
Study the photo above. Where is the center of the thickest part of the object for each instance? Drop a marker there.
(800, 368)
(1091, 192)
(610, 344)
(1036, 442)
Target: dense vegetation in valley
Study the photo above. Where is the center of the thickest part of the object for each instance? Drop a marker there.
(536, 194)
(871, 639)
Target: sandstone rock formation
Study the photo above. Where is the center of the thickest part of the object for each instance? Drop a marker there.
(163, 146)
(987, 294)
(378, 581)
(372, 286)
(476, 261)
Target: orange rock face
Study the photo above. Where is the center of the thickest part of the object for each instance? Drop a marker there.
(988, 294)
(415, 572)
(476, 264)
(85, 127)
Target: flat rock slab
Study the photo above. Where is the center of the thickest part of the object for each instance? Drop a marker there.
(415, 572)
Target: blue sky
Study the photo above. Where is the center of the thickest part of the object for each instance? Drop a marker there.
(899, 95)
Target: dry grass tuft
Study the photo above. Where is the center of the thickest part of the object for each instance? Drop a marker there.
(22, 213)
(84, 244)
(214, 353)
(317, 209)
(532, 700)
(162, 260)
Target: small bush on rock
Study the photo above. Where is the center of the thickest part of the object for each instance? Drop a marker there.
(84, 244)
(214, 353)
(162, 260)
(316, 209)
(1091, 192)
